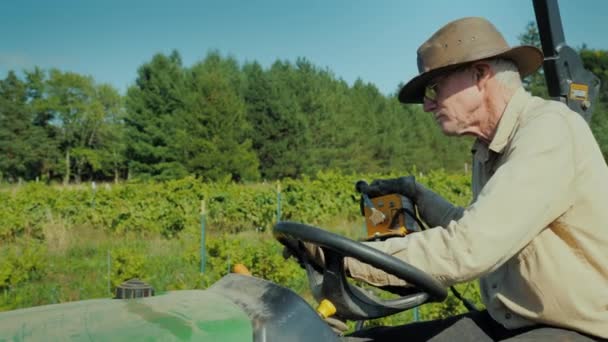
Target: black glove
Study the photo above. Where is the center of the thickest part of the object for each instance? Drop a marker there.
(303, 252)
(405, 186)
(432, 208)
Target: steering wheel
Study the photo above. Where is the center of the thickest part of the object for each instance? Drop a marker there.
(351, 301)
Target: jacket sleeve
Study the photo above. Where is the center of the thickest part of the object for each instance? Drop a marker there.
(531, 188)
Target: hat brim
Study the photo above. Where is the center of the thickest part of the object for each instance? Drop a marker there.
(527, 58)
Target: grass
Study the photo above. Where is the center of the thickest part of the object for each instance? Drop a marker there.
(81, 262)
(84, 263)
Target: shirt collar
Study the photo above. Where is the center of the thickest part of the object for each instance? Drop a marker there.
(509, 119)
(506, 126)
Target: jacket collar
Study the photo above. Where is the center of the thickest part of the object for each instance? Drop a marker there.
(509, 120)
(506, 127)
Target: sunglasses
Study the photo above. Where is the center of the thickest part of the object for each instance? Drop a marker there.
(430, 91)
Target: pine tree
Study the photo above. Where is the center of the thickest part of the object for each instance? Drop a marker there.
(279, 130)
(534, 83)
(15, 127)
(152, 105)
(213, 137)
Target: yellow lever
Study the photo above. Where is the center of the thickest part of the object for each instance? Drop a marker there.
(326, 309)
(241, 269)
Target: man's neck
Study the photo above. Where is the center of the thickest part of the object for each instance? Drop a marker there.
(494, 105)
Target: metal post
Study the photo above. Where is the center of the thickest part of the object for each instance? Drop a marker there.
(278, 202)
(416, 315)
(94, 189)
(203, 249)
(109, 271)
(567, 78)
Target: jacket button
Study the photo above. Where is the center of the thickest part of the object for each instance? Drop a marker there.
(494, 286)
(508, 315)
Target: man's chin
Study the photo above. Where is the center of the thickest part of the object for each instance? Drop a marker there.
(447, 130)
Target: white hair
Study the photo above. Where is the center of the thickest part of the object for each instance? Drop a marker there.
(506, 72)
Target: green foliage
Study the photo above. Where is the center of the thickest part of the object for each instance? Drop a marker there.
(169, 208)
(152, 231)
(261, 254)
(20, 263)
(20, 157)
(218, 119)
(597, 62)
(455, 187)
(535, 83)
(57, 126)
(152, 105)
(188, 121)
(126, 264)
(280, 132)
(214, 138)
(23, 214)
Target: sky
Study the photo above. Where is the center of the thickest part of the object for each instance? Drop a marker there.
(375, 41)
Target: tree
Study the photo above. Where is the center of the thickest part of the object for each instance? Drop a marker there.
(213, 132)
(597, 62)
(182, 121)
(113, 158)
(15, 128)
(79, 117)
(369, 128)
(534, 83)
(279, 131)
(152, 105)
(47, 150)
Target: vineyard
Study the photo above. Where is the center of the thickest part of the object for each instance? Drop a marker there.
(70, 243)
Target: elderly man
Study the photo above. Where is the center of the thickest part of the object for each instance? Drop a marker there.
(536, 233)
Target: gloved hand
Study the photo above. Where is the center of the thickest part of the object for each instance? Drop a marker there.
(336, 325)
(303, 252)
(432, 208)
(314, 255)
(405, 186)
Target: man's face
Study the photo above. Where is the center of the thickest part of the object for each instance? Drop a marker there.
(455, 106)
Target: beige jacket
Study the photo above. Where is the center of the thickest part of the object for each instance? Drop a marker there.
(536, 234)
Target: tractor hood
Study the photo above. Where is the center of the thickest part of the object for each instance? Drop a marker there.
(237, 308)
(192, 315)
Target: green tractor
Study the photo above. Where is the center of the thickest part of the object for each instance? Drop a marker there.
(243, 308)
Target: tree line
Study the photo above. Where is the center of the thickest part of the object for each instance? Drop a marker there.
(214, 119)
(218, 119)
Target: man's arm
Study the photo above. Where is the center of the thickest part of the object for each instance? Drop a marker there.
(525, 194)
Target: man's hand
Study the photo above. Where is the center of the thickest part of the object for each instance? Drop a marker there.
(304, 252)
(337, 325)
(405, 186)
(433, 209)
(314, 255)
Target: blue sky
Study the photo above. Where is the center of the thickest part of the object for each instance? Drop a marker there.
(372, 40)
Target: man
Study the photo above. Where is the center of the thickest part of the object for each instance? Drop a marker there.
(536, 233)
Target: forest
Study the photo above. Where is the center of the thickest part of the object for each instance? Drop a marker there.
(219, 119)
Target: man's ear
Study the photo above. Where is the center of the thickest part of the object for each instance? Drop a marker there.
(482, 73)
